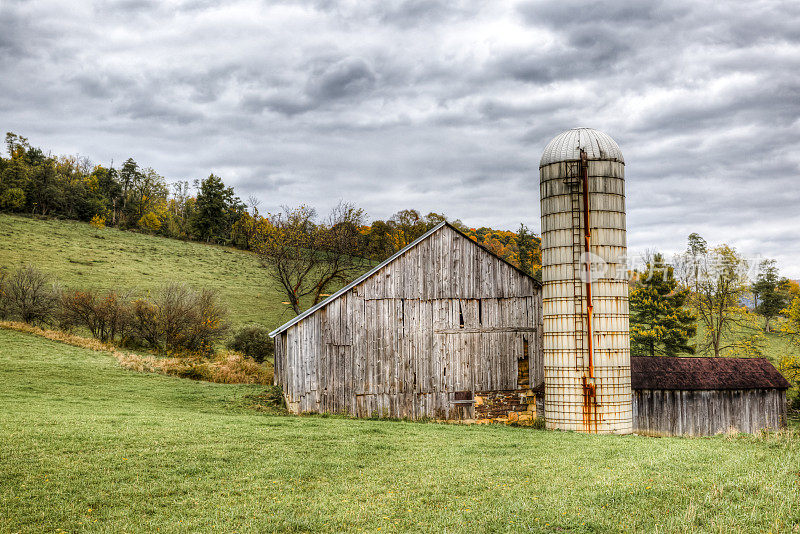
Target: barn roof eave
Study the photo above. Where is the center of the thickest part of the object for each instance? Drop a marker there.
(377, 268)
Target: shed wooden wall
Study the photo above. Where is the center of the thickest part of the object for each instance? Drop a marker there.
(705, 413)
(395, 345)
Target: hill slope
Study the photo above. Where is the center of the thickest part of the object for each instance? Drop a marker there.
(83, 257)
(86, 446)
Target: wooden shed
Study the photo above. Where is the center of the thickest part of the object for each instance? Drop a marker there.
(443, 329)
(706, 396)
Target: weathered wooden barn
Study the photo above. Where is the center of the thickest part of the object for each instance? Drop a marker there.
(706, 396)
(442, 329)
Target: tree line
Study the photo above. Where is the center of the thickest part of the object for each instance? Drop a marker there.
(133, 197)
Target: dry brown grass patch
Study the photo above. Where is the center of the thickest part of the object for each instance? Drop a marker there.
(58, 335)
(224, 368)
(227, 367)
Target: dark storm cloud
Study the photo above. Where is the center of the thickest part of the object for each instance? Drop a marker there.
(328, 81)
(582, 57)
(438, 105)
(623, 13)
(348, 77)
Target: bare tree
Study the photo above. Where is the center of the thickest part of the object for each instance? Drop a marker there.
(252, 203)
(179, 319)
(308, 259)
(31, 295)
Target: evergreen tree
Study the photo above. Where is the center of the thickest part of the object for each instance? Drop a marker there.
(215, 209)
(128, 175)
(660, 325)
(771, 292)
(530, 255)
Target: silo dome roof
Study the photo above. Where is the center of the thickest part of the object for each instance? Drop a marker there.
(567, 146)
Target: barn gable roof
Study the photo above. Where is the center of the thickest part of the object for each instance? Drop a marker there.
(377, 268)
(671, 373)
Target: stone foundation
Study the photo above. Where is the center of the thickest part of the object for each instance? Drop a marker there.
(520, 406)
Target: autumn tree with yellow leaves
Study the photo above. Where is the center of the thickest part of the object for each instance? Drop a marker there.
(307, 258)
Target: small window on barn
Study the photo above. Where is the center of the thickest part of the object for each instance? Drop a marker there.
(463, 397)
(460, 316)
(480, 311)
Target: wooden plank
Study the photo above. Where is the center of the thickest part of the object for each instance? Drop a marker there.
(478, 330)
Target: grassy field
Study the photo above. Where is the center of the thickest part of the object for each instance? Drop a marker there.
(83, 257)
(88, 447)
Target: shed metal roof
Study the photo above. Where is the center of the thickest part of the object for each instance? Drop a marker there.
(671, 373)
(567, 146)
(374, 270)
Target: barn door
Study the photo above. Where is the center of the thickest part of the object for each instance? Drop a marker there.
(343, 374)
(523, 363)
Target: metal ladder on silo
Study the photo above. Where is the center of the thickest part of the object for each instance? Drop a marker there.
(576, 204)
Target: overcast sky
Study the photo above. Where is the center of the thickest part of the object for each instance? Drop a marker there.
(441, 106)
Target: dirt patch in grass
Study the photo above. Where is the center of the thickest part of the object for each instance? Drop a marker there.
(270, 400)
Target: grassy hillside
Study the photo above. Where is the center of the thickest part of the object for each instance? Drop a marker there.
(84, 257)
(88, 447)
(81, 256)
(775, 346)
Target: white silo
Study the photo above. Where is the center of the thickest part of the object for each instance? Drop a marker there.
(585, 303)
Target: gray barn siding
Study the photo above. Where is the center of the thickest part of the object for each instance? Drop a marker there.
(393, 345)
(707, 412)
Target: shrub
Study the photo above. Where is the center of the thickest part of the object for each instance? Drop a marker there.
(253, 341)
(31, 296)
(98, 222)
(209, 323)
(145, 325)
(12, 199)
(179, 319)
(190, 320)
(150, 222)
(108, 317)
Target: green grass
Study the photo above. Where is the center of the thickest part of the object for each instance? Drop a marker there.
(776, 344)
(82, 257)
(88, 447)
